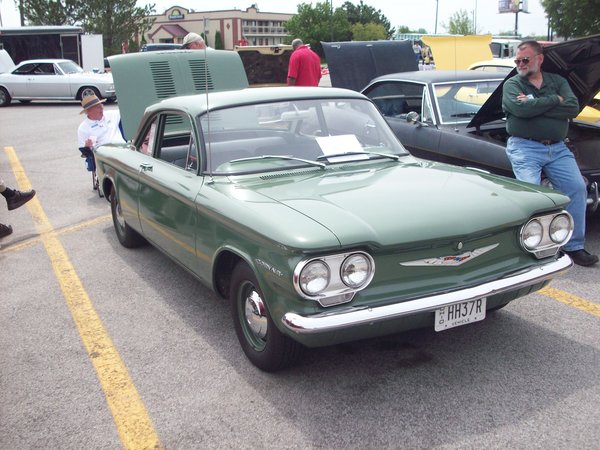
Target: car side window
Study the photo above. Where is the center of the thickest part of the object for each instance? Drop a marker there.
(397, 98)
(147, 145)
(427, 115)
(176, 143)
(25, 69)
(44, 69)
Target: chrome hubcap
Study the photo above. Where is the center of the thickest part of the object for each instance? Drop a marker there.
(119, 214)
(256, 314)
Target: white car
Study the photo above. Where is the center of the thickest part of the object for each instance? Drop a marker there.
(53, 79)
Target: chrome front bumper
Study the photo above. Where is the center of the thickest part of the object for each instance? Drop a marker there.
(350, 317)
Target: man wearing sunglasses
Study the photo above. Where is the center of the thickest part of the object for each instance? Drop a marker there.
(538, 106)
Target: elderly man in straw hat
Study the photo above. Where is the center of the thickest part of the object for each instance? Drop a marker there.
(99, 127)
(193, 41)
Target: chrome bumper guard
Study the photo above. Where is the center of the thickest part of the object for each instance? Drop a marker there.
(331, 321)
(593, 198)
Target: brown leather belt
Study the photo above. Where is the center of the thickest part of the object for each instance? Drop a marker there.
(544, 141)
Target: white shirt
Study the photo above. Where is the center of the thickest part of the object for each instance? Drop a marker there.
(103, 131)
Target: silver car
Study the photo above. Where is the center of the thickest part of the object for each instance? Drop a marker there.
(53, 79)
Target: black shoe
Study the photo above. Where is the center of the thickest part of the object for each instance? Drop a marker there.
(19, 199)
(5, 230)
(582, 257)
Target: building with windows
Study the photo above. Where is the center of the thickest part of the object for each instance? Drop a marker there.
(237, 27)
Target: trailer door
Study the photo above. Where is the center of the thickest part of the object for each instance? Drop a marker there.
(70, 47)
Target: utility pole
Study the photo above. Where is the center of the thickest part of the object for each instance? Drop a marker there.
(517, 18)
(437, 4)
(331, 18)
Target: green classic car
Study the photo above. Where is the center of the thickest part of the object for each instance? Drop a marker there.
(301, 207)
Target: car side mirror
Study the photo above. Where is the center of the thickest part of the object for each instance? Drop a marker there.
(414, 117)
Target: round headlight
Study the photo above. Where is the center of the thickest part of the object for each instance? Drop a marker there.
(355, 270)
(560, 229)
(532, 234)
(314, 277)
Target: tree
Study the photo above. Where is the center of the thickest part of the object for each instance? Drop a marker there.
(575, 18)
(116, 20)
(314, 24)
(49, 12)
(365, 14)
(219, 41)
(460, 23)
(368, 32)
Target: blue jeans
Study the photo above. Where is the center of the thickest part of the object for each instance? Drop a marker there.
(530, 158)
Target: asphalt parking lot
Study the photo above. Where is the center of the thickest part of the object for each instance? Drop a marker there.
(104, 347)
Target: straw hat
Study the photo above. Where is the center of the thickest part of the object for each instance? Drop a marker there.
(89, 101)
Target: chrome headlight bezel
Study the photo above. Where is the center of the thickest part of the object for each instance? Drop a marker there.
(352, 277)
(340, 287)
(314, 277)
(544, 235)
(532, 234)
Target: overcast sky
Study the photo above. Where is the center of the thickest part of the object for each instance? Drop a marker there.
(412, 13)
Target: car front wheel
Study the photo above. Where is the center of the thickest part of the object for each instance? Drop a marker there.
(126, 235)
(4, 97)
(264, 345)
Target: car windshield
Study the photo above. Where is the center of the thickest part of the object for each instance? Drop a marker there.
(282, 135)
(458, 102)
(69, 67)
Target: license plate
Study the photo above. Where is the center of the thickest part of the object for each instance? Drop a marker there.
(459, 314)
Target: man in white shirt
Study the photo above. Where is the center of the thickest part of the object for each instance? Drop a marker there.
(99, 127)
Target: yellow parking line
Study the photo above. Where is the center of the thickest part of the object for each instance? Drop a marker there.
(133, 423)
(35, 240)
(571, 300)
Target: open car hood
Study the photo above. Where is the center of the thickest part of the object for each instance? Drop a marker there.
(265, 65)
(458, 52)
(577, 60)
(6, 62)
(352, 65)
(144, 78)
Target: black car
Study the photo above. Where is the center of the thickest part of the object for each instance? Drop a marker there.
(456, 116)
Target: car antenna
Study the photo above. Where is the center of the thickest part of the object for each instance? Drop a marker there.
(208, 140)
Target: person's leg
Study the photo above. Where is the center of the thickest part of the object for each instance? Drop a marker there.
(5, 230)
(14, 198)
(564, 174)
(526, 158)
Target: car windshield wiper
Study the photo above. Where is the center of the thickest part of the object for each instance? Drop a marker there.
(287, 157)
(338, 155)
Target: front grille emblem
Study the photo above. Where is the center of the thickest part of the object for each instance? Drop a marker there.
(450, 260)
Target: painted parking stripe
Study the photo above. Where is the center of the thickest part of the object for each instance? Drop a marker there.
(133, 423)
(572, 300)
(70, 229)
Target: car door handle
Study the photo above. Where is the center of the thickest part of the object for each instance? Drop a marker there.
(145, 167)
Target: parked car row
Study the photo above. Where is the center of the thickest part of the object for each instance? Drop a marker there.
(302, 209)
